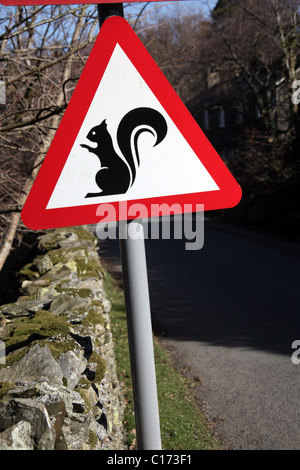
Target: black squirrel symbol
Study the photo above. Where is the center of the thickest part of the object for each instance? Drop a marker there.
(116, 176)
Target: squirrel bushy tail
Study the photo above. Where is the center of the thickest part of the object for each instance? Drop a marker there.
(137, 118)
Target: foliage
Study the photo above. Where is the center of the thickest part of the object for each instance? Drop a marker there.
(259, 43)
(42, 52)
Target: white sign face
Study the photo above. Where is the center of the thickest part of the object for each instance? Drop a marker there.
(169, 168)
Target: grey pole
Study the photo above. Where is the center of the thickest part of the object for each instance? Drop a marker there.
(140, 335)
(139, 327)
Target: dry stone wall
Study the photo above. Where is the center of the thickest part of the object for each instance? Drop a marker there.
(58, 384)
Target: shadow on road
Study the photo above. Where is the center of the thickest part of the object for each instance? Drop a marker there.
(240, 290)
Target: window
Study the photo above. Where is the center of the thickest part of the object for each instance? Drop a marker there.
(257, 112)
(231, 154)
(205, 118)
(240, 115)
(221, 117)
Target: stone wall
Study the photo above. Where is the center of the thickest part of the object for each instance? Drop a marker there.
(58, 384)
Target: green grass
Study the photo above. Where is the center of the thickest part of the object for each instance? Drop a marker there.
(183, 426)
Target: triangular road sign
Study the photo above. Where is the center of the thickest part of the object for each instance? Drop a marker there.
(126, 137)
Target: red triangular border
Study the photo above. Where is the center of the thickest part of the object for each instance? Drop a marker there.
(117, 30)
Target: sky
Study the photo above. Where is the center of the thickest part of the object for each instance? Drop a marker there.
(203, 5)
(184, 6)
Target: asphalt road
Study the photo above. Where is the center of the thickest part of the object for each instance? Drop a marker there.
(229, 314)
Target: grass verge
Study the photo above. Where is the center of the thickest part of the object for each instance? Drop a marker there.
(183, 426)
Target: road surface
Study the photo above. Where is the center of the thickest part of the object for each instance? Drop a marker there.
(229, 314)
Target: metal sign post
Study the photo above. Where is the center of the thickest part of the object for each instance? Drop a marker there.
(135, 278)
(140, 335)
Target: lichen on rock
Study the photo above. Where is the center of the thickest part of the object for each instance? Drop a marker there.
(55, 383)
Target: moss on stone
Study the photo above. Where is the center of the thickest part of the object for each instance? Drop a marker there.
(50, 241)
(14, 357)
(97, 304)
(88, 267)
(75, 291)
(93, 317)
(66, 257)
(84, 234)
(42, 325)
(26, 298)
(60, 347)
(83, 382)
(5, 387)
(29, 271)
(57, 255)
(100, 371)
(84, 393)
(93, 439)
(63, 254)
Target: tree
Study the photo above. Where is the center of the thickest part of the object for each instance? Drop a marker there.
(257, 44)
(42, 52)
(173, 41)
(260, 42)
